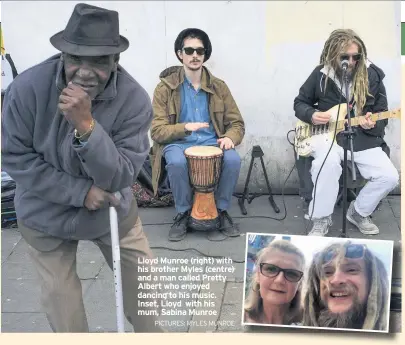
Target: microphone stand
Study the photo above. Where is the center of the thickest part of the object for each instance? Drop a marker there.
(348, 141)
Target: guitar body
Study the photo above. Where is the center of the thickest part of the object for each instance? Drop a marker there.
(305, 133)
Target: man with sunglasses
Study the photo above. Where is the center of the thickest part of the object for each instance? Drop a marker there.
(191, 108)
(347, 288)
(322, 91)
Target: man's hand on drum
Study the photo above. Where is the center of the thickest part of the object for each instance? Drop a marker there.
(225, 143)
(97, 198)
(195, 126)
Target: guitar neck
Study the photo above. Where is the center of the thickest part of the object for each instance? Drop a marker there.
(355, 121)
(306, 131)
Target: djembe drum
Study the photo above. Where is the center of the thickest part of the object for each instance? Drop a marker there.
(204, 167)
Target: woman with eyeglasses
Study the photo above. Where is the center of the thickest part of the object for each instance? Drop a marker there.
(274, 295)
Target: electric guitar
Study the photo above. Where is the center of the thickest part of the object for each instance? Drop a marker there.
(305, 133)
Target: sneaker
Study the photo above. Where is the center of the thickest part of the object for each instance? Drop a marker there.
(305, 208)
(364, 224)
(320, 226)
(226, 224)
(178, 231)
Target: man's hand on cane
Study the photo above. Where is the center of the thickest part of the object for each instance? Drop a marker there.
(97, 198)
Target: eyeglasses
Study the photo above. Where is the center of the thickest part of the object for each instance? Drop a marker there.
(270, 270)
(190, 50)
(353, 251)
(355, 57)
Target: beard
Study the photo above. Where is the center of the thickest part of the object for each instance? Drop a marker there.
(350, 73)
(353, 318)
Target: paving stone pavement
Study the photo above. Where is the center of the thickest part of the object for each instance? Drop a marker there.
(20, 305)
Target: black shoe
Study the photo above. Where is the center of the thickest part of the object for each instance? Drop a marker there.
(227, 226)
(178, 231)
(216, 235)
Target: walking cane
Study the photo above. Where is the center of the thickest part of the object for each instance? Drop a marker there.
(115, 245)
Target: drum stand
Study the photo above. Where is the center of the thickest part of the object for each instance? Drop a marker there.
(257, 152)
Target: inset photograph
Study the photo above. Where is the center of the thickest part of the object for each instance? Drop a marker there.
(323, 283)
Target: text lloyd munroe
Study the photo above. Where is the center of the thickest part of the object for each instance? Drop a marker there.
(186, 269)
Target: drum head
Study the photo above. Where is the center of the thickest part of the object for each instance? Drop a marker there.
(203, 151)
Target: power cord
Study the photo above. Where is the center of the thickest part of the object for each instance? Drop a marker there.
(248, 217)
(282, 195)
(240, 217)
(330, 148)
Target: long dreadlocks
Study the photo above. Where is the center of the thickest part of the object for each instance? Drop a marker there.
(338, 41)
(376, 308)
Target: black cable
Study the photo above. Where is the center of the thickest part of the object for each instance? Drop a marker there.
(288, 139)
(330, 148)
(282, 192)
(248, 217)
(282, 195)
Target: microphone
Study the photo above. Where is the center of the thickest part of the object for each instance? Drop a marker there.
(344, 64)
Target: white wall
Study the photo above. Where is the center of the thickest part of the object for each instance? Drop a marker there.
(263, 50)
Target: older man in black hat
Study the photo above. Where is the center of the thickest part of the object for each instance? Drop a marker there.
(74, 133)
(193, 108)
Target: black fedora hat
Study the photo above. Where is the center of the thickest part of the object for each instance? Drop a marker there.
(178, 44)
(91, 31)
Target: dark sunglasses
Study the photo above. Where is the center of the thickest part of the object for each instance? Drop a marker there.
(353, 251)
(355, 57)
(270, 270)
(190, 51)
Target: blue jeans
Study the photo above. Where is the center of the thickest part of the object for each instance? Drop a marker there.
(176, 166)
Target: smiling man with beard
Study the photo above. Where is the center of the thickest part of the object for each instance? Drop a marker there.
(347, 288)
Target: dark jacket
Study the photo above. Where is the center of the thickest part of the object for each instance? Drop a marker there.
(313, 97)
(224, 113)
(52, 174)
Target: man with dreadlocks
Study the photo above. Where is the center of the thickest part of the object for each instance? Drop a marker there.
(347, 287)
(322, 91)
